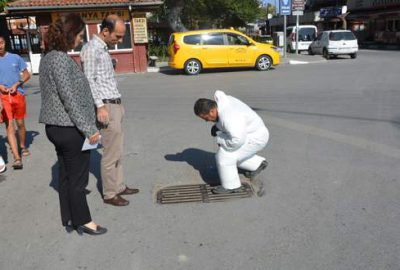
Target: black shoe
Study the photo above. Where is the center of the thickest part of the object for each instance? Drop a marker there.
(222, 190)
(252, 174)
(83, 229)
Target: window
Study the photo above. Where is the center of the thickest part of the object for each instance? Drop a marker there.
(336, 36)
(213, 39)
(126, 41)
(192, 39)
(306, 34)
(234, 39)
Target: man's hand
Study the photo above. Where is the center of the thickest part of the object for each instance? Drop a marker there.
(214, 130)
(94, 138)
(3, 89)
(102, 115)
(13, 89)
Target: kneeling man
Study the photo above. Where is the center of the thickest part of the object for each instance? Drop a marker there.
(240, 133)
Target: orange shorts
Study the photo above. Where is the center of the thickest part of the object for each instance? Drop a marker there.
(14, 106)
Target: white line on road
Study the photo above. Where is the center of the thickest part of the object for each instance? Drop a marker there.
(346, 139)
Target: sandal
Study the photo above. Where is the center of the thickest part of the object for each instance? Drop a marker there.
(25, 152)
(17, 164)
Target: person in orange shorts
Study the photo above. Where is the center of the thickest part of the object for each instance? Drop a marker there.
(13, 98)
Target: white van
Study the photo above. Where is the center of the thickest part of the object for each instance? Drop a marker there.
(307, 34)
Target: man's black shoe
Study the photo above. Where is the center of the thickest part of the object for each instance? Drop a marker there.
(222, 190)
(252, 174)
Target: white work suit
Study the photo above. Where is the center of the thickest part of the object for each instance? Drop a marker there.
(242, 133)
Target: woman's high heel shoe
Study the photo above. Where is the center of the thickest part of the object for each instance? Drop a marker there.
(83, 229)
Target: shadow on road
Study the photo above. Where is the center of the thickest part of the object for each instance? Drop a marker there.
(30, 136)
(200, 160)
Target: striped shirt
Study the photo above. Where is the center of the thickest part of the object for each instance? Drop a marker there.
(98, 68)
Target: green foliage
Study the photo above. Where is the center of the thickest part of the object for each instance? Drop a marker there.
(161, 51)
(215, 13)
(3, 3)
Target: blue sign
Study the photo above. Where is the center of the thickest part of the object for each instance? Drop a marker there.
(329, 12)
(286, 7)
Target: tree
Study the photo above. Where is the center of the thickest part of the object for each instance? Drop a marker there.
(210, 13)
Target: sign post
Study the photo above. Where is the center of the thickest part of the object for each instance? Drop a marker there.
(285, 9)
(298, 10)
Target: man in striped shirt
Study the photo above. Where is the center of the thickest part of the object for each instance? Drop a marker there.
(98, 67)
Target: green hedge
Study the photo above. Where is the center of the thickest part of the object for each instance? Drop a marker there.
(161, 51)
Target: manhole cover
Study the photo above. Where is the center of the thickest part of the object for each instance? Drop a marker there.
(198, 193)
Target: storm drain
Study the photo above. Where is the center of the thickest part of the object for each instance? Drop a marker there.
(198, 193)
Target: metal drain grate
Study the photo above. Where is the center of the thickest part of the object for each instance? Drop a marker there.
(198, 193)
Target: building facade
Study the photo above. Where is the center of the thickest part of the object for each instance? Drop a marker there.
(130, 55)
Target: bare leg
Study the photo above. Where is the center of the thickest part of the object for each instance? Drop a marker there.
(21, 132)
(12, 140)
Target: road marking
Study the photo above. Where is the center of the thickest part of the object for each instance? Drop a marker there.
(296, 62)
(346, 139)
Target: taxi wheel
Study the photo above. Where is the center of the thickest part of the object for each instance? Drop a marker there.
(192, 67)
(310, 52)
(264, 62)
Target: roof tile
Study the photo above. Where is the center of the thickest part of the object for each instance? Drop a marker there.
(64, 3)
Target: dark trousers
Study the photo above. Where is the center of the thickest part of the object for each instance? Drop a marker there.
(74, 173)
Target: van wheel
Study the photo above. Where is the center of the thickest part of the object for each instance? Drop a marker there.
(310, 52)
(353, 55)
(326, 54)
(264, 62)
(192, 67)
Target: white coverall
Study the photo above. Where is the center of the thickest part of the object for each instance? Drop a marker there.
(242, 134)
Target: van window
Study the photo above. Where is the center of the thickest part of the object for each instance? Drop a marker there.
(306, 34)
(234, 39)
(336, 36)
(213, 39)
(192, 39)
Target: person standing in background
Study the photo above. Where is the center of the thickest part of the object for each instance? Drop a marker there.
(14, 102)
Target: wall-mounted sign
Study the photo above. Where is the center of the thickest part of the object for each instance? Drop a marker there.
(94, 15)
(285, 7)
(139, 30)
(330, 12)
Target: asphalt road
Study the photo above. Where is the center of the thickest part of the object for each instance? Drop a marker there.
(332, 187)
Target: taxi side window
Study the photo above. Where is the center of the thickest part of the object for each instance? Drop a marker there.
(213, 39)
(234, 39)
(192, 39)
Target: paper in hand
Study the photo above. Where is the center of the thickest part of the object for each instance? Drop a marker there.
(87, 146)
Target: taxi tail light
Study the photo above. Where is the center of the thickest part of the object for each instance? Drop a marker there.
(176, 47)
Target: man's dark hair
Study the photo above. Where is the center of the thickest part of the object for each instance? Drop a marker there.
(3, 37)
(204, 106)
(110, 22)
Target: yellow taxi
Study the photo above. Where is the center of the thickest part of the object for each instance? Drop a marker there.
(194, 51)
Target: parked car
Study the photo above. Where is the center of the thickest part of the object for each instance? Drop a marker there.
(334, 43)
(307, 34)
(263, 39)
(194, 51)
